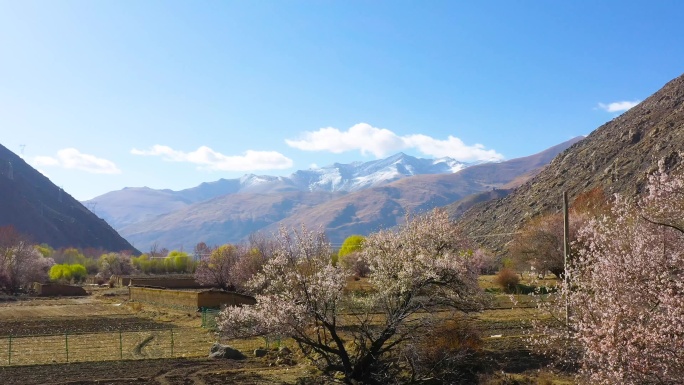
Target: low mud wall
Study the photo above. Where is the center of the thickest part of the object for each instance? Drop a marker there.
(170, 282)
(216, 299)
(188, 299)
(55, 289)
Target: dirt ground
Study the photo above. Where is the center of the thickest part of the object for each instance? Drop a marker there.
(153, 372)
(106, 310)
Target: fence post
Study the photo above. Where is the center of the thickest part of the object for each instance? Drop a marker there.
(204, 317)
(66, 345)
(9, 351)
(120, 346)
(171, 342)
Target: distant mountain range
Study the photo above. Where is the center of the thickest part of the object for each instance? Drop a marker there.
(357, 198)
(136, 204)
(616, 157)
(46, 213)
(342, 199)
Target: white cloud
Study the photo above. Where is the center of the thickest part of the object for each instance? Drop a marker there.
(362, 137)
(208, 159)
(45, 161)
(71, 158)
(452, 147)
(618, 106)
(381, 142)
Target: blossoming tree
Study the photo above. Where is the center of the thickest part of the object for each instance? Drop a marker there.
(20, 262)
(216, 267)
(422, 267)
(626, 293)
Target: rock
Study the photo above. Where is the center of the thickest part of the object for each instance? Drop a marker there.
(225, 351)
(283, 361)
(260, 352)
(284, 351)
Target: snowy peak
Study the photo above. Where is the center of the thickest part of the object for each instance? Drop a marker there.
(358, 176)
(337, 177)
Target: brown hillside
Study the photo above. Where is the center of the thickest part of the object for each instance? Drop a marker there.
(616, 156)
(46, 213)
(225, 219)
(381, 207)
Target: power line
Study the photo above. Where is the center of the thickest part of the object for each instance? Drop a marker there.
(496, 235)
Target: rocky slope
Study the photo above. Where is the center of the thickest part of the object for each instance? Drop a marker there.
(616, 157)
(46, 213)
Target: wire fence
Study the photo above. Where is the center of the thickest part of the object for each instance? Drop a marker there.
(104, 346)
(209, 318)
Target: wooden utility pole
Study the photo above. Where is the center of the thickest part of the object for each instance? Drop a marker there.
(566, 249)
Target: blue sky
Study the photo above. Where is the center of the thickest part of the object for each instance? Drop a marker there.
(101, 95)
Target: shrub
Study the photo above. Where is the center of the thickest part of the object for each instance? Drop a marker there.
(356, 264)
(65, 272)
(78, 272)
(490, 262)
(508, 279)
(506, 379)
(352, 244)
(115, 264)
(449, 353)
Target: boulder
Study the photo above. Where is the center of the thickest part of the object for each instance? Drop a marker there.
(260, 352)
(284, 351)
(225, 351)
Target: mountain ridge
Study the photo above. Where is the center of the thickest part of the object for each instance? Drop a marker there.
(230, 218)
(615, 157)
(36, 207)
(116, 208)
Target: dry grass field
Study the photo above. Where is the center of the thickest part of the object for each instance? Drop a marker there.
(113, 341)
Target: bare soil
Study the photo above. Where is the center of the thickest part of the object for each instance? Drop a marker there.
(153, 372)
(62, 325)
(503, 329)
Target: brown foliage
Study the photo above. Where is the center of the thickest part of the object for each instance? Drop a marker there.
(592, 203)
(448, 353)
(508, 279)
(10, 237)
(540, 241)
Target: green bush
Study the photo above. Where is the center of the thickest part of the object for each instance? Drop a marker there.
(352, 244)
(68, 272)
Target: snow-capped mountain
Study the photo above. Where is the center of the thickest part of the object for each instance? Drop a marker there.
(343, 199)
(133, 204)
(357, 176)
